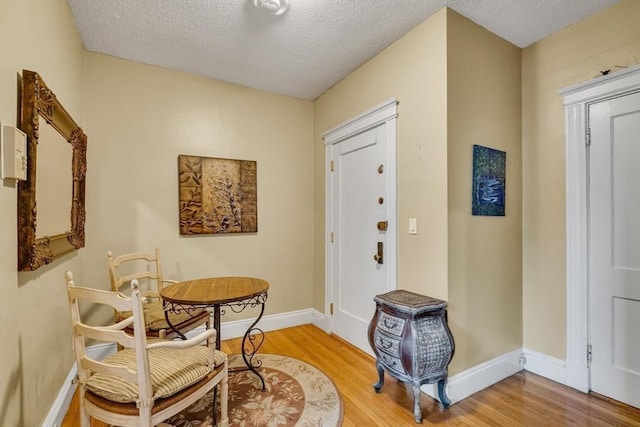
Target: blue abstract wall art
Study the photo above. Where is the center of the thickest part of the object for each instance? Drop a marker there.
(489, 179)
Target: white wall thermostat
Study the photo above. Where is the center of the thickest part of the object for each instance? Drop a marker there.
(14, 153)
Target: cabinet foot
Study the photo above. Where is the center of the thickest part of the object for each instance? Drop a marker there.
(378, 386)
(417, 413)
(442, 394)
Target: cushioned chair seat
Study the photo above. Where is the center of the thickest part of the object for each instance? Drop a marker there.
(169, 374)
(131, 409)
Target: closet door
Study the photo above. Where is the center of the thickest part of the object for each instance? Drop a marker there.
(614, 238)
(603, 253)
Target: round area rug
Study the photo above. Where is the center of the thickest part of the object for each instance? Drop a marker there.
(297, 394)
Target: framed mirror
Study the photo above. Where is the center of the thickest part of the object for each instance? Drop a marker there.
(51, 208)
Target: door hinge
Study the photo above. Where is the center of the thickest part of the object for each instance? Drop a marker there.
(331, 166)
(332, 237)
(588, 137)
(331, 309)
(589, 355)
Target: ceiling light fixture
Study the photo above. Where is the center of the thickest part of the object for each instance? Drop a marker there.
(272, 7)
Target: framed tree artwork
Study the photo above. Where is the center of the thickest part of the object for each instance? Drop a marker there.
(217, 196)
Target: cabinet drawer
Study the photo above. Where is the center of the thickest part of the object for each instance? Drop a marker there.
(387, 343)
(391, 363)
(391, 324)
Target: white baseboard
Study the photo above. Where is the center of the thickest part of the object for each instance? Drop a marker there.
(549, 367)
(273, 322)
(63, 400)
(470, 381)
(465, 383)
(321, 320)
(100, 351)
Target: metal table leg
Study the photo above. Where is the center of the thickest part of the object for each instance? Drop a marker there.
(251, 343)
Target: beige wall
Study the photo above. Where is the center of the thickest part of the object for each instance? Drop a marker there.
(36, 343)
(570, 56)
(139, 119)
(450, 97)
(485, 252)
(412, 70)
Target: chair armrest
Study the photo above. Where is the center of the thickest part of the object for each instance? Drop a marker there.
(209, 334)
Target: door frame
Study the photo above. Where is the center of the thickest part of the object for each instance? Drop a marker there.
(577, 99)
(385, 112)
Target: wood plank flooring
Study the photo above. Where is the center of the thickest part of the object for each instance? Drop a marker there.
(524, 399)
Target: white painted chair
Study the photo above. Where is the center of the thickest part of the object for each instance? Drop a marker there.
(148, 381)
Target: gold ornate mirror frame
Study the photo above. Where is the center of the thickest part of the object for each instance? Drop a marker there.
(38, 101)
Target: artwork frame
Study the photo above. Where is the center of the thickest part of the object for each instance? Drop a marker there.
(217, 195)
(489, 181)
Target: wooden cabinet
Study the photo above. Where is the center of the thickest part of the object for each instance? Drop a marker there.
(412, 342)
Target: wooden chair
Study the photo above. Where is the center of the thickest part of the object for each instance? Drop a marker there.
(148, 381)
(147, 270)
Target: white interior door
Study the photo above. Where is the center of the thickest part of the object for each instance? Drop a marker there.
(614, 181)
(361, 247)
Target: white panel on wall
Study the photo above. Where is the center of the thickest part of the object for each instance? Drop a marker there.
(626, 317)
(626, 191)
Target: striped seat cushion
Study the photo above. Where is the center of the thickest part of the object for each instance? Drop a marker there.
(171, 371)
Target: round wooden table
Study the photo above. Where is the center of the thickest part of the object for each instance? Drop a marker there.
(217, 294)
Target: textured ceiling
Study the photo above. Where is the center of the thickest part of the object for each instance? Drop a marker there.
(303, 51)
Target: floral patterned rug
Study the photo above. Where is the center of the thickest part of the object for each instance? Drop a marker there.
(297, 394)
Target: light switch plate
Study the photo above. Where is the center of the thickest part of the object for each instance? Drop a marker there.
(413, 226)
(13, 146)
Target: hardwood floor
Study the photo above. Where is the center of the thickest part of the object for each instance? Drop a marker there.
(524, 399)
